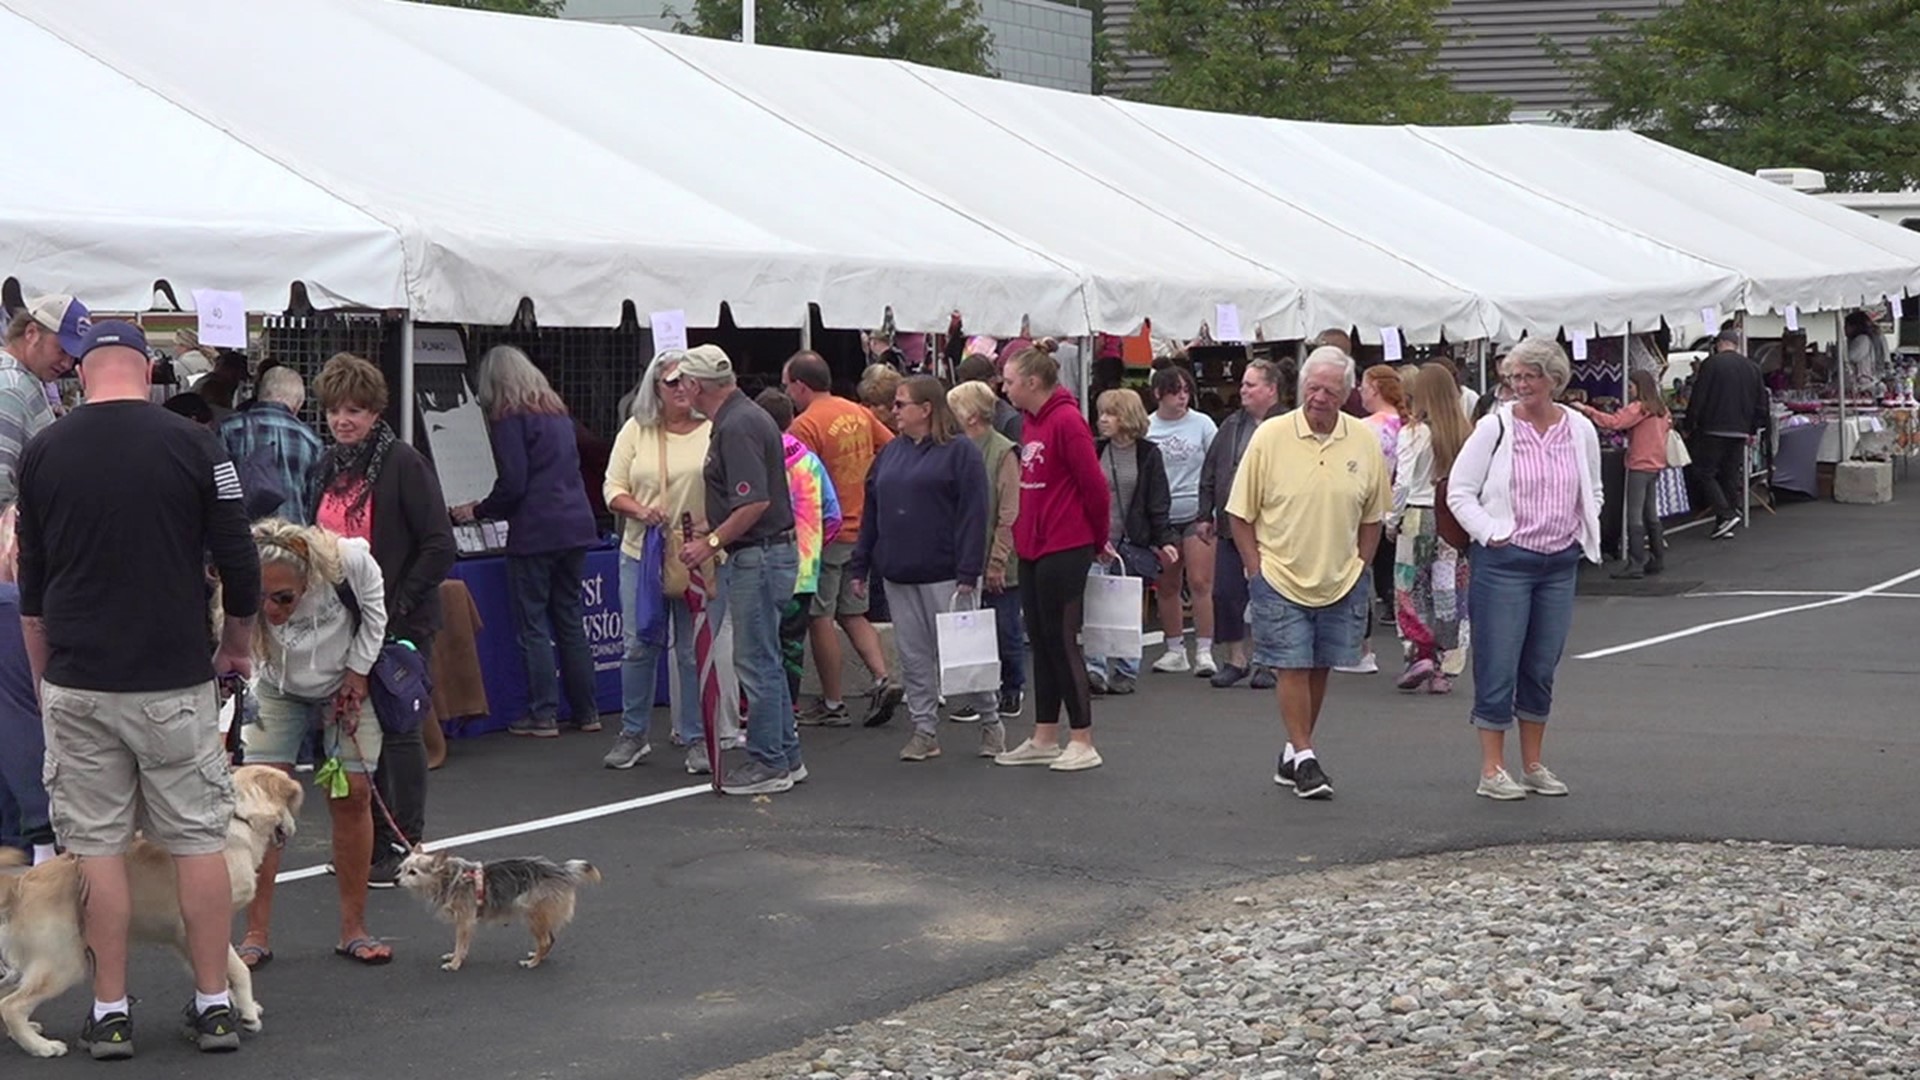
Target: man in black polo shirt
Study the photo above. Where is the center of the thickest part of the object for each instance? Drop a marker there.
(119, 503)
(750, 517)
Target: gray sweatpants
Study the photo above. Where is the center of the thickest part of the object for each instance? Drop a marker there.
(917, 639)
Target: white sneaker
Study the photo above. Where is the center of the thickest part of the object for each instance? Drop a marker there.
(1203, 667)
(1500, 786)
(1541, 781)
(1174, 661)
(1076, 757)
(1028, 753)
(1368, 665)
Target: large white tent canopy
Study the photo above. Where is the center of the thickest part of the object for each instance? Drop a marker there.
(451, 162)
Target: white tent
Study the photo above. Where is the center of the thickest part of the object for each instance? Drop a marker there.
(110, 188)
(583, 165)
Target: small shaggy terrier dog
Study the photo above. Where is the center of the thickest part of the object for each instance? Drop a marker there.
(465, 892)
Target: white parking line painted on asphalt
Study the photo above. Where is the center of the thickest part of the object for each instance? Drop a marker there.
(1803, 592)
(572, 817)
(1721, 624)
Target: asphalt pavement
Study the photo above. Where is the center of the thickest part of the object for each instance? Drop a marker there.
(731, 928)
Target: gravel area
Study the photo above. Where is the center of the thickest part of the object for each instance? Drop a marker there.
(1580, 961)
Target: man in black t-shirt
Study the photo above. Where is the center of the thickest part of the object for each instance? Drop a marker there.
(750, 517)
(119, 504)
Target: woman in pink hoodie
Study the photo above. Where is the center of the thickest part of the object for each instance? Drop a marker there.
(1062, 525)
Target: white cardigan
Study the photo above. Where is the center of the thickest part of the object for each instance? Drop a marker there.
(1480, 487)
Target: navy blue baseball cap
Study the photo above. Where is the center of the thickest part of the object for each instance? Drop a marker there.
(65, 316)
(112, 332)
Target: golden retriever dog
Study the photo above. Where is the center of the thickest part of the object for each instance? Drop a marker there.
(40, 910)
(465, 892)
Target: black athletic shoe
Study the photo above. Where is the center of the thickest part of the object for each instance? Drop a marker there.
(1283, 773)
(1724, 529)
(1310, 780)
(1263, 678)
(214, 1030)
(886, 698)
(385, 873)
(1228, 675)
(1010, 703)
(108, 1039)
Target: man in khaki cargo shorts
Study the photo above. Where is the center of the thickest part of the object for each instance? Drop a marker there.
(118, 503)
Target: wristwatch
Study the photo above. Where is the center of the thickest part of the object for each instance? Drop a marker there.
(713, 541)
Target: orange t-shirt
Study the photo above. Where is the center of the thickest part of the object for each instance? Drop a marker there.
(847, 437)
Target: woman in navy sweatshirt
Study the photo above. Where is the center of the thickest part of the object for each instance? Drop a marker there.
(541, 497)
(926, 509)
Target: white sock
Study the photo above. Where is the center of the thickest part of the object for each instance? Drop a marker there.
(832, 703)
(203, 1002)
(1203, 646)
(44, 853)
(104, 1009)
(1287, 754)
(1304, 755)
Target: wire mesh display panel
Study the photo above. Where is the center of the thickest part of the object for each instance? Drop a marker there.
(591, 368)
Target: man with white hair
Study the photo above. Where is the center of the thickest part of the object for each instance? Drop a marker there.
(273, 451)
(750, 517)
(41, 342)
(1306, 510)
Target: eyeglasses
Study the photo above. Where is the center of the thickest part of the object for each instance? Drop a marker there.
(1526, 376)
(283, 598)
(901, 403)
(671, 381)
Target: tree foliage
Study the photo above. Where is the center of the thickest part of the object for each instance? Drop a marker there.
(1753, 84)
(544, 8)
(1356, 61)
(938, 33)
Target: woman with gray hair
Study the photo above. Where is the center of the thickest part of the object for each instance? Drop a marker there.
(654, 478)
(1526, 487)
(540, 495)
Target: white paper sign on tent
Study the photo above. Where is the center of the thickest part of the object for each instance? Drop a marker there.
(1226, 322)
(1390, 344)
(1711, 317)
(1579, 345)
(1793, 317)
(669, 330)
(223, 318)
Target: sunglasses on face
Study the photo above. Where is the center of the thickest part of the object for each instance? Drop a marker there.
(283, 598)
(671, 382)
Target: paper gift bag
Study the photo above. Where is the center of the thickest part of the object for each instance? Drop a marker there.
(969, 647)
(1111, 626)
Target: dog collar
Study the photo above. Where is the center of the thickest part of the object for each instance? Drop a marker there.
(479, 876)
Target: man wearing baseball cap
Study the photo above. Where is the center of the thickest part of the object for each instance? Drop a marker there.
(115, 624)
(42, 340)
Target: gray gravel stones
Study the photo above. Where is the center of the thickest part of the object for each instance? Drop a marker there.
(1583, 962)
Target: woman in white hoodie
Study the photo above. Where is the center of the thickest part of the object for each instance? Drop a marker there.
(311, 659)
(1526, 487)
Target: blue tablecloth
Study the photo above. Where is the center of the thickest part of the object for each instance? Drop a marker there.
(500, 665)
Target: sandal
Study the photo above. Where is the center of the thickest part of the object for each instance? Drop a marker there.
(254, 956)
(361, 951)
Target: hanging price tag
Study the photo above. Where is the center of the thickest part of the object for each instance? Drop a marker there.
(1579, 345)
(1226, 323)
(1390, 343)
(1793, 317)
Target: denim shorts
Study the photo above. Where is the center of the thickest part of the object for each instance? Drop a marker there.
(1292, 637)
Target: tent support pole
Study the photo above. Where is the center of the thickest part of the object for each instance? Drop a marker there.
(1627, 509)
(406, 377)
(747, 14)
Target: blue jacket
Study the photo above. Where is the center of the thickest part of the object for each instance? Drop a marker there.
(539, 492)
(926, 511)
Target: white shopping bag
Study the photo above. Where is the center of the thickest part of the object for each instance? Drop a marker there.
(1111, 623)
(969, 645)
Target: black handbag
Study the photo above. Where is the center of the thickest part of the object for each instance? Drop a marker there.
(1138, 560)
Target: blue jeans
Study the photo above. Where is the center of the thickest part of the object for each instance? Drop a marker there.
(1521, 606)
(24, 813)
(547, 617)
(1112, 666)
(1292, 637)
(757, 583)
(640, 665)
(1013, 638)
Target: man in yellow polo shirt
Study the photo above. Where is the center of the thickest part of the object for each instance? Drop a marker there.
(1306, 511)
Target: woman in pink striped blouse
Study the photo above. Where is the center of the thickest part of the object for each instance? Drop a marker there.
(1526, 487)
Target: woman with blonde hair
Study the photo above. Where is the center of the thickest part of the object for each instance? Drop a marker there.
(539, 493)
(1526, 487)
(654, 479)
(313, 654)
(1429, 575)
(1141, 539)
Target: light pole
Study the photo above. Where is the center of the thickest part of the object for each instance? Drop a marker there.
(746, 21)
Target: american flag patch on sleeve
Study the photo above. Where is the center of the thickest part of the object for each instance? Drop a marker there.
(226, 481)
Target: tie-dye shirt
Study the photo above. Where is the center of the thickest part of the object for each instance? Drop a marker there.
(816, 510)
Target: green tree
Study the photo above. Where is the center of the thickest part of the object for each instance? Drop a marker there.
(547, 9)
(938, 33)
(1355, 61)
(1833, 86)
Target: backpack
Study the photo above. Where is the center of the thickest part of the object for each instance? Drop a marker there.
(399, 685)
(263, 489)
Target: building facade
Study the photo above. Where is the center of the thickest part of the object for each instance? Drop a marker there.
(1038, 42)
